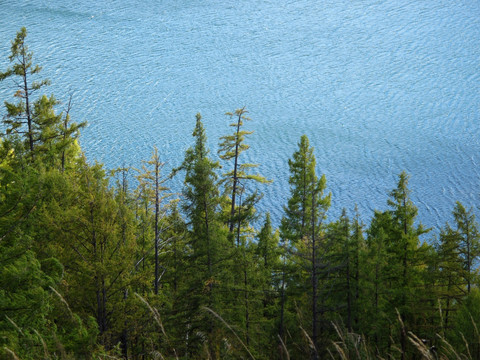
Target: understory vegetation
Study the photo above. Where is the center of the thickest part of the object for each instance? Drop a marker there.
(92, 268)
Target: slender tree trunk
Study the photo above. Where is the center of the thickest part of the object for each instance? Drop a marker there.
(376, 301)
(357, 277)
(403, 334)
(314, 283)
(157, 209)
(65, 125)
(124, 336)
(468, 257)
(282, 305)
(207, 232)
(247, 314)
(349, 294)
(235, 178)
(27, 106)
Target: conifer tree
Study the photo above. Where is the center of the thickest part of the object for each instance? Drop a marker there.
(23, 285)
(20, 116)
(152, 184)
(268, 253)
(35, 318)
(68, 132)
(303, 227)
(208, 261)
(377, 290)
(450, 276)
(231, 147)
(406, 262)
(358, 271)
(467, 228)
(343, 256)
(94, 239)
(35, 119)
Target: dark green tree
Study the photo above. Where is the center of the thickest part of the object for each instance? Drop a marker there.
(304, 228)
(467, 228)
(405, 260)
(376, 319)
(450, 275)
(207, 238)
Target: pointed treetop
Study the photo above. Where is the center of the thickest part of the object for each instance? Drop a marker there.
(201, 137)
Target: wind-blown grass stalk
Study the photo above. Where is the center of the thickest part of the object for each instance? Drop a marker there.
(62, 299)
(45, 349)
(230, 328)
(420, 346)
(310, 341)
(156, 316)
(15, 325)
(15, 357)
(350, 341)
(284, 347)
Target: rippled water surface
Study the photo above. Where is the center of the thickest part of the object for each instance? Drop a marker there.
(378, 86)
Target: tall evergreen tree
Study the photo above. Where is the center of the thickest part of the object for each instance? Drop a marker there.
(207, 263)
(303, 227)
(268, 253)
(405, 262)
(344, 255)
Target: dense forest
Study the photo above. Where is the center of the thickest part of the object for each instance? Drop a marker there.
(92, 267)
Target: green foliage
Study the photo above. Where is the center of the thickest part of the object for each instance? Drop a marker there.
(46, 135)
(236, 180)
(303, 232)
(306, 195)
(469, 247)
(465, 334)
(90, 269)
(208, 260)
(450, 275)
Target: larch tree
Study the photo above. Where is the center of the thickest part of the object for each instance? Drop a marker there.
(238, 185)
(152, 183)
(21, 116)
(34, 118)
(231, 147)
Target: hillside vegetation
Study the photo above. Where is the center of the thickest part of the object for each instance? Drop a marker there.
(93, 268)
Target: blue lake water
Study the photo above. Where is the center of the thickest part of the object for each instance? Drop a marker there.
(378, 86)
